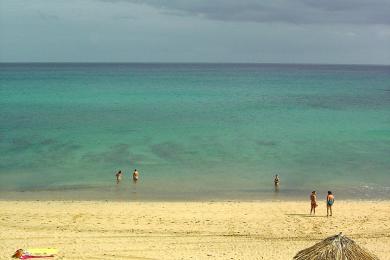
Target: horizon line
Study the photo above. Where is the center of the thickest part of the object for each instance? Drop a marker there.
(186, 62)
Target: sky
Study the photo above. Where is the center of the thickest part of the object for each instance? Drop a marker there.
(259, 31)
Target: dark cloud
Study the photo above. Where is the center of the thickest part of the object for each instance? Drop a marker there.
(47, 17)
(125, 17)
(285, 11)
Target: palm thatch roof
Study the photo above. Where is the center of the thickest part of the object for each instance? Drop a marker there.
(338, 247)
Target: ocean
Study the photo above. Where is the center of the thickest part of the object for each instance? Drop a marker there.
(193, 131)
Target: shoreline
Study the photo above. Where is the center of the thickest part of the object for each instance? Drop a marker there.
(343, 202)
(147, 193)
(185, 230)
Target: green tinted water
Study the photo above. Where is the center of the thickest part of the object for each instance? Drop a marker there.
(195, 128)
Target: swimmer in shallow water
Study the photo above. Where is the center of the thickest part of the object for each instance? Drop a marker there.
(277, 180)
(118, 176)
(135, 175)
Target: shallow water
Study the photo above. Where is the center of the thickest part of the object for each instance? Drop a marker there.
(195, 130)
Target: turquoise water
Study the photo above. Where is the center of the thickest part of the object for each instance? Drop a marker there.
(211, 130)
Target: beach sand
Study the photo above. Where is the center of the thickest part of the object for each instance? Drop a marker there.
(187, 230)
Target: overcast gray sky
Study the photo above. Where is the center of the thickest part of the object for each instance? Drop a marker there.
(282, 31)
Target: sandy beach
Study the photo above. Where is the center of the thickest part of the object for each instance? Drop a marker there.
(187, 230)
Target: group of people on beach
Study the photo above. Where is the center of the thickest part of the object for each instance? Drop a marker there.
(313, 199)
(329, 203)
(119, 176)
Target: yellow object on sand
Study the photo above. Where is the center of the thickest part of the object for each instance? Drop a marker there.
(41, 251)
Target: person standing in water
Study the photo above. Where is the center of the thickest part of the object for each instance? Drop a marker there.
(329, 203)
(276, 183)
(135, 175)
(277, 180)
(313, 201)
(118, 176)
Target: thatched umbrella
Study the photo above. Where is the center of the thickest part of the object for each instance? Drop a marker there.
(338, 247)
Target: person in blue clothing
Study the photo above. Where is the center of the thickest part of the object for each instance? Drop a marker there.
(329, 203)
